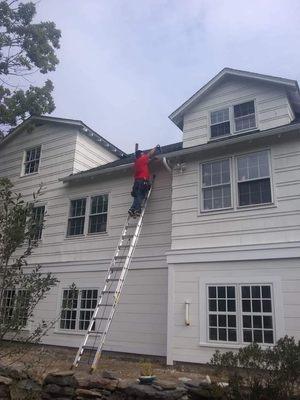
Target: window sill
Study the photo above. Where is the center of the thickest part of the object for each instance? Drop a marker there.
(28, 175)
(72, 332)
(233, 134)
(233, 346)
(88, 235)
(237, 209)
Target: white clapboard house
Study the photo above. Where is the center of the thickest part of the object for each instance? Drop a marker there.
(217, 264)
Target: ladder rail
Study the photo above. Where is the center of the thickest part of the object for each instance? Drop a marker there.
(121, 282)
(117, 291)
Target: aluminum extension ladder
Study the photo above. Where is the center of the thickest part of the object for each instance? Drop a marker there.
(114, 282)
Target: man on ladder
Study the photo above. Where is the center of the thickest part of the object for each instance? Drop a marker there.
(141, 180)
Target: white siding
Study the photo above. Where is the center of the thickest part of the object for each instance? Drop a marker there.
(185, 344)
(88, 154)
(272, 106)
(278, 223)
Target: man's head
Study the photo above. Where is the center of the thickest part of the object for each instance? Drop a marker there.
(138, 153)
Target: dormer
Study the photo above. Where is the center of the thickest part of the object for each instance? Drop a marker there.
(235, 103)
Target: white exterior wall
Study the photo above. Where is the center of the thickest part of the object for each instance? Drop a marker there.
(276, 223)
(141, 320)
(272, 108)
(88, 154)
(184, 344)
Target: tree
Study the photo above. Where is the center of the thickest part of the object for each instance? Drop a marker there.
(26, 48)
(22, 286)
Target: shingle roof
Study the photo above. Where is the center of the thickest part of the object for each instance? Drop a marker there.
(128, 159)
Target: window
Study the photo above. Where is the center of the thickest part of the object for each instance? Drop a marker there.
(14, 307)
(253, 182)
(244, 116)
(255, 316)
(77, 308)
(254, 186)
(216, 187)
(98, 214)
(32, 160)
(234, 119)
(222, 323)
(38, 222)
(76, 217)
(220, 124)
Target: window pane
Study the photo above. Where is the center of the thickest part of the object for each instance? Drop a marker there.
(76, 226)
(244, 123)
(255, 192)
(99, 204)
(212, 292)
(220, 116)
(243, 109)
(38, 217)
(32, 160)
(252, 166)
(98, 223)
(220, 129)
(77, 208)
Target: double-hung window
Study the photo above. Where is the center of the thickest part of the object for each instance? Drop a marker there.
(98, 214)
(77, 308)
(32, 160)
(254, 183)
(240, 313)
(216, 186)
(244, 116)
(88, 215)
(220, 123)
(14, 307)
(76, 217)
(38, 222)
(233, 119)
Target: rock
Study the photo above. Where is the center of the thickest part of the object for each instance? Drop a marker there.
(124, 383)
(52, 388)
(15, 371)
(86, 393)
(164, 385)
(206, 392)
(109, 375)
(29, 385)
(197, 383)
(149, 392)
(4, 392)
(62, 378)
(5, 381)
(103, 383)
(184, 379)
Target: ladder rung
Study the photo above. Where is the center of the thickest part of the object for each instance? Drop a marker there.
(106, 305)
(108, 291)
(113, 279)
(116, 269)
(120, 257)
(98, 318)
(123, 246)
(127, 236)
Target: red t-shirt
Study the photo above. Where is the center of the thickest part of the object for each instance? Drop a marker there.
(141, 169)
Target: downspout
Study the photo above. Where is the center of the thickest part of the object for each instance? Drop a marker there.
(166, 165)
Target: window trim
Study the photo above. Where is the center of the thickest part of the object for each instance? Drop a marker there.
(234, 184)
(202, 210)
(24, 158)
(76, 330)
(235, 158)
(233, 131)
(87, 215)
(278, 311)
(36, 205)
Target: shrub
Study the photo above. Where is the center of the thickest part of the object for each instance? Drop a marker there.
(257, 374)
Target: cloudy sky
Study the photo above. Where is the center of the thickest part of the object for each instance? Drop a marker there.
(125, 65)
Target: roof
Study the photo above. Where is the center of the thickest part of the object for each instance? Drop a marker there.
(291, 86)
(176, 150)
(127, 160)
(84, 129)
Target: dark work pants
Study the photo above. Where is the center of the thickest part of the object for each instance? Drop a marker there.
(139, 191)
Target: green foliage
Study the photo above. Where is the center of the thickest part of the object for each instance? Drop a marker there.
(25, 48)
(22, 286)
(256, 373)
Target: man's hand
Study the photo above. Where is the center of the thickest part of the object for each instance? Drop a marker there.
(153, 151)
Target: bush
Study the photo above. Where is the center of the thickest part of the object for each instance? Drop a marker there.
(258, 374)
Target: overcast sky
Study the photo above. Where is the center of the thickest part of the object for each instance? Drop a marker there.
(125, 65)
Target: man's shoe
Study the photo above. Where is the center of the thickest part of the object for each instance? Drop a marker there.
(131, 212)
(137, 213)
